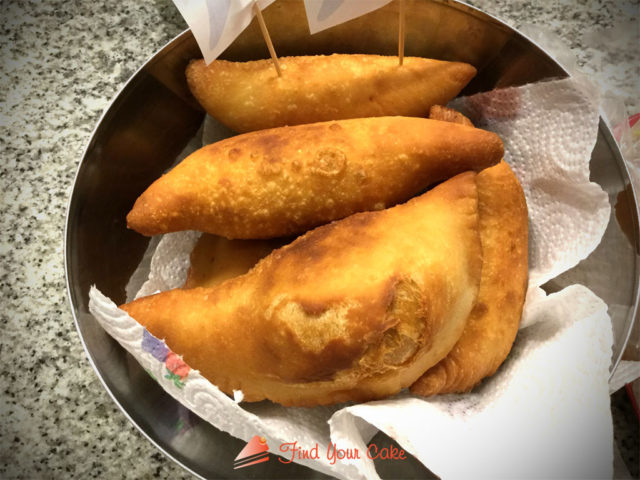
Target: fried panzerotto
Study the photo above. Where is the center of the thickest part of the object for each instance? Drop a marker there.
(354, 310)
(287, 180)
(495, 318)
(248, 96)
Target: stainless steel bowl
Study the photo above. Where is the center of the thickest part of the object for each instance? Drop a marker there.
(154, 117)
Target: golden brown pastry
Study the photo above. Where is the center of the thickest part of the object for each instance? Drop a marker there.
(494, 321)
(438, 112)
(354, 310)
(248, 96)
(216, 259)
(287, 180)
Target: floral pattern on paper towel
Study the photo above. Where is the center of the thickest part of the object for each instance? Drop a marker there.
(177, 370)
(157, 348)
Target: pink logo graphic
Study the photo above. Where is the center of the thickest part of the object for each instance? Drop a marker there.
(255, 451)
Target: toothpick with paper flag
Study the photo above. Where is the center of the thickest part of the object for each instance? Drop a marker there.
(323, 14)
(215, 24)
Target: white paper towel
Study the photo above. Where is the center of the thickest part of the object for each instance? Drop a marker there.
(549, 130)
(546, 411)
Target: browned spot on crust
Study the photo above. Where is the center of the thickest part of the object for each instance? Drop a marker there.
(480, 309)
(313, 308)
(342, 356)
(299, 365)
(270, 165)
(296, 165)
(270, 143)
(328, 162)
(389, 292)
(510, 297)
(234, 154)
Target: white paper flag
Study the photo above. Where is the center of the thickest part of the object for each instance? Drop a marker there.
(217, 23)
(323, 14)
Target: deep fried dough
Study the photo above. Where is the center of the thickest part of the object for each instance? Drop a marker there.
(248, 96)
(438, 112)
(285, 181)
(354, 310)
(493, 324)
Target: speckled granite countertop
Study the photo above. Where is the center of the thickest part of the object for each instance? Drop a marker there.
(61, 63)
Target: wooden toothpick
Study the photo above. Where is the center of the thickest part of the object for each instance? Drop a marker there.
(401, 22)
(267, 38)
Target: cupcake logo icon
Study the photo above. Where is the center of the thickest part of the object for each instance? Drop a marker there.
(255, 451)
